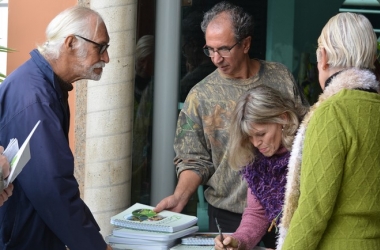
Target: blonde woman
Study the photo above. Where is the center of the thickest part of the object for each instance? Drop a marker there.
(261, 134)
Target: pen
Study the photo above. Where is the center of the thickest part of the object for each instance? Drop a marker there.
(220, 232)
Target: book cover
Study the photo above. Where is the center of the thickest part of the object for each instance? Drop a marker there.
(187, 247)
(152, 235)
(203, 239)
(142, 217)
(130, 241)
(17, 157)
(137, 247)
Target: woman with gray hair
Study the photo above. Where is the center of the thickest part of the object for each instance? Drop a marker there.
(333, 185)
(144, 66)
(262, 130)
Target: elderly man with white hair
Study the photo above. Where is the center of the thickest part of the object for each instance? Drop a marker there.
(45, 210)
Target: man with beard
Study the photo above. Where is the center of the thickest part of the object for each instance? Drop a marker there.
(45, 210)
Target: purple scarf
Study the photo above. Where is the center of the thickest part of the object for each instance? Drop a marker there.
(266, 177)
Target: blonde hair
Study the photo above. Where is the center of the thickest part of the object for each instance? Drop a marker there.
(261, 104)
(349, 41)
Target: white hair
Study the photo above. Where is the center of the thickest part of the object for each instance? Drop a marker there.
(144, 47)
(349, 41)
(72, 21)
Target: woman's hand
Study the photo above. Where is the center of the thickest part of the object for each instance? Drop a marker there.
(229, 243)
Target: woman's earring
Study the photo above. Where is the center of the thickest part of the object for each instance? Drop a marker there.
(283, 128)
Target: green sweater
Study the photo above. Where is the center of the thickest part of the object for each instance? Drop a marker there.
(202, 131)
(339, 204)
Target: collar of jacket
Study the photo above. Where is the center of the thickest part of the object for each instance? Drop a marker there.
(352, 78)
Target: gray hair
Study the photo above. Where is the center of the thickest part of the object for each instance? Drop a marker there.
(72, 21)
(261, 104)
(242, 22)
(349, 41)
(144, 47)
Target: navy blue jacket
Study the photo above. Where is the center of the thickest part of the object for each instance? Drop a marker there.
(45, 210)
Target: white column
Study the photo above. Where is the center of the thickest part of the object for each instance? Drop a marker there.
(107, 180)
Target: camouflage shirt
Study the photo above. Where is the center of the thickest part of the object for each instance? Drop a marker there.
(202, 131)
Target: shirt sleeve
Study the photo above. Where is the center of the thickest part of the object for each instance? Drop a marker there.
(321, 173)
(253, 225)
(49, 183)
(192, 148)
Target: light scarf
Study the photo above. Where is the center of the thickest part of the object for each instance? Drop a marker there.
(352, 78)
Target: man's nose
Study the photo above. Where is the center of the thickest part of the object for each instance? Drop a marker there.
(217, 58)
(105, 57)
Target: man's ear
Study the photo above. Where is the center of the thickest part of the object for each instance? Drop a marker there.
(247, 43)
(69, 43)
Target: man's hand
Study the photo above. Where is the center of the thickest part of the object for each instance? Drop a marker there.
(187, 184)
(6, 193)
(4, 164)
(4, 171)
(171, 203)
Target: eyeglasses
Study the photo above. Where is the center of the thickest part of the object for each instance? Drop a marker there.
(102, 47)
(223, 51)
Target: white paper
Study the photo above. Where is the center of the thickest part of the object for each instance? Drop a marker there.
(12, 149)
(19, 159)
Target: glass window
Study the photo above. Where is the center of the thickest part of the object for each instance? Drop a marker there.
(285, 32)
(143, 103)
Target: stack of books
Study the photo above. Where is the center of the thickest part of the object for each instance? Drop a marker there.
(140, 228)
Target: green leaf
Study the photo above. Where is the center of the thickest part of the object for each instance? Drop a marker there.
(6, 50)
(2, 77)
